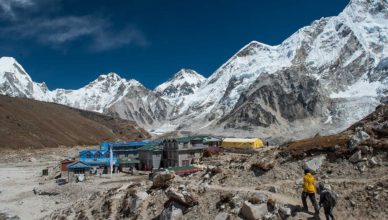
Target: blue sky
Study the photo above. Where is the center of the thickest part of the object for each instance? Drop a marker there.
(68, 43)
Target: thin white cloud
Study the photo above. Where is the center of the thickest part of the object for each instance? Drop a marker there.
(43, 22)
(7, 7)
(106, 40)
(61, 30)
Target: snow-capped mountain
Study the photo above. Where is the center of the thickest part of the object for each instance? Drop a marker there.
(105, 93)
(323, 77)
(97, 95)
(15, 82)
(183, 83)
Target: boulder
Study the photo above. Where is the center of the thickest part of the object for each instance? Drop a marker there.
(285, 211)
(356, 157)
(274, 189)
(162, 179)
(373, 161)
(315, 163)
(226, 197)
(361, 167)
(253, 212)
(258, 198)
(364, 149)
(184, 198)
(235, 202)
(358, 138)
(171, 213)
(222, 216)
(216, 170)
(137, 200)
(272, 205)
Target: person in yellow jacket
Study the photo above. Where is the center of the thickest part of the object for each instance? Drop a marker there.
(309, 190)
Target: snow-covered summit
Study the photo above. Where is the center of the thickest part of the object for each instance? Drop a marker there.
(14, 81)
(9, 64)
(97, 95)
(184, 82)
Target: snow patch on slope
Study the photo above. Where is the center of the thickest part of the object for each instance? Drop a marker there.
(362, 88)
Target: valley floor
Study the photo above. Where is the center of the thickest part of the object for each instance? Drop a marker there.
(21, 175)
(237, 177)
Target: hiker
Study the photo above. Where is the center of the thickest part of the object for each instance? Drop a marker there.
(309, 190)
(327, 200)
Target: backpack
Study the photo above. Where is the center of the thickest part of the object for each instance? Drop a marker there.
(332, 198)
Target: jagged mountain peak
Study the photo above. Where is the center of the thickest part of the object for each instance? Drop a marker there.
(111, 75)
(115, 78)
(189, 75)
(368, 4)
(7, 61)
(10, 64)
(15, 81)
(184, 82)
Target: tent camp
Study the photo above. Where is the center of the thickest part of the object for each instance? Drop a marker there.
(242, 143)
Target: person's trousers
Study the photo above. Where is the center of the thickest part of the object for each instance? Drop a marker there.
(329, 213)
(312, 199)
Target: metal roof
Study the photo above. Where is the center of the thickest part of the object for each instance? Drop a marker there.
(211, 139)
(151, 148)
(127, 161)
(98, 161)
(188, 138)
(129, 144)
(241, 140)
(78, 165)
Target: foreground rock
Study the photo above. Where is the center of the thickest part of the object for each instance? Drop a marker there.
(356, 157)
(162, 180)
(253, 212)
(314, 164)
(173, 212)
(184, 197)
(358, 138)
(222, 216)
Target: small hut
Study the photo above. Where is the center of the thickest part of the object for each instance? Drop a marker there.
(77, 170)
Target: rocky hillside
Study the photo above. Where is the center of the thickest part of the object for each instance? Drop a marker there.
(28, 123)
(372, 131)
(323, 77)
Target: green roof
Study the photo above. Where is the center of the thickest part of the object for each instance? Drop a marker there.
(180, 168)
(190, 138)
(183, 139)
(127, 161)
(150, 148)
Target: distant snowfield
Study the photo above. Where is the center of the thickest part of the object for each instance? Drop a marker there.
(362, 88)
